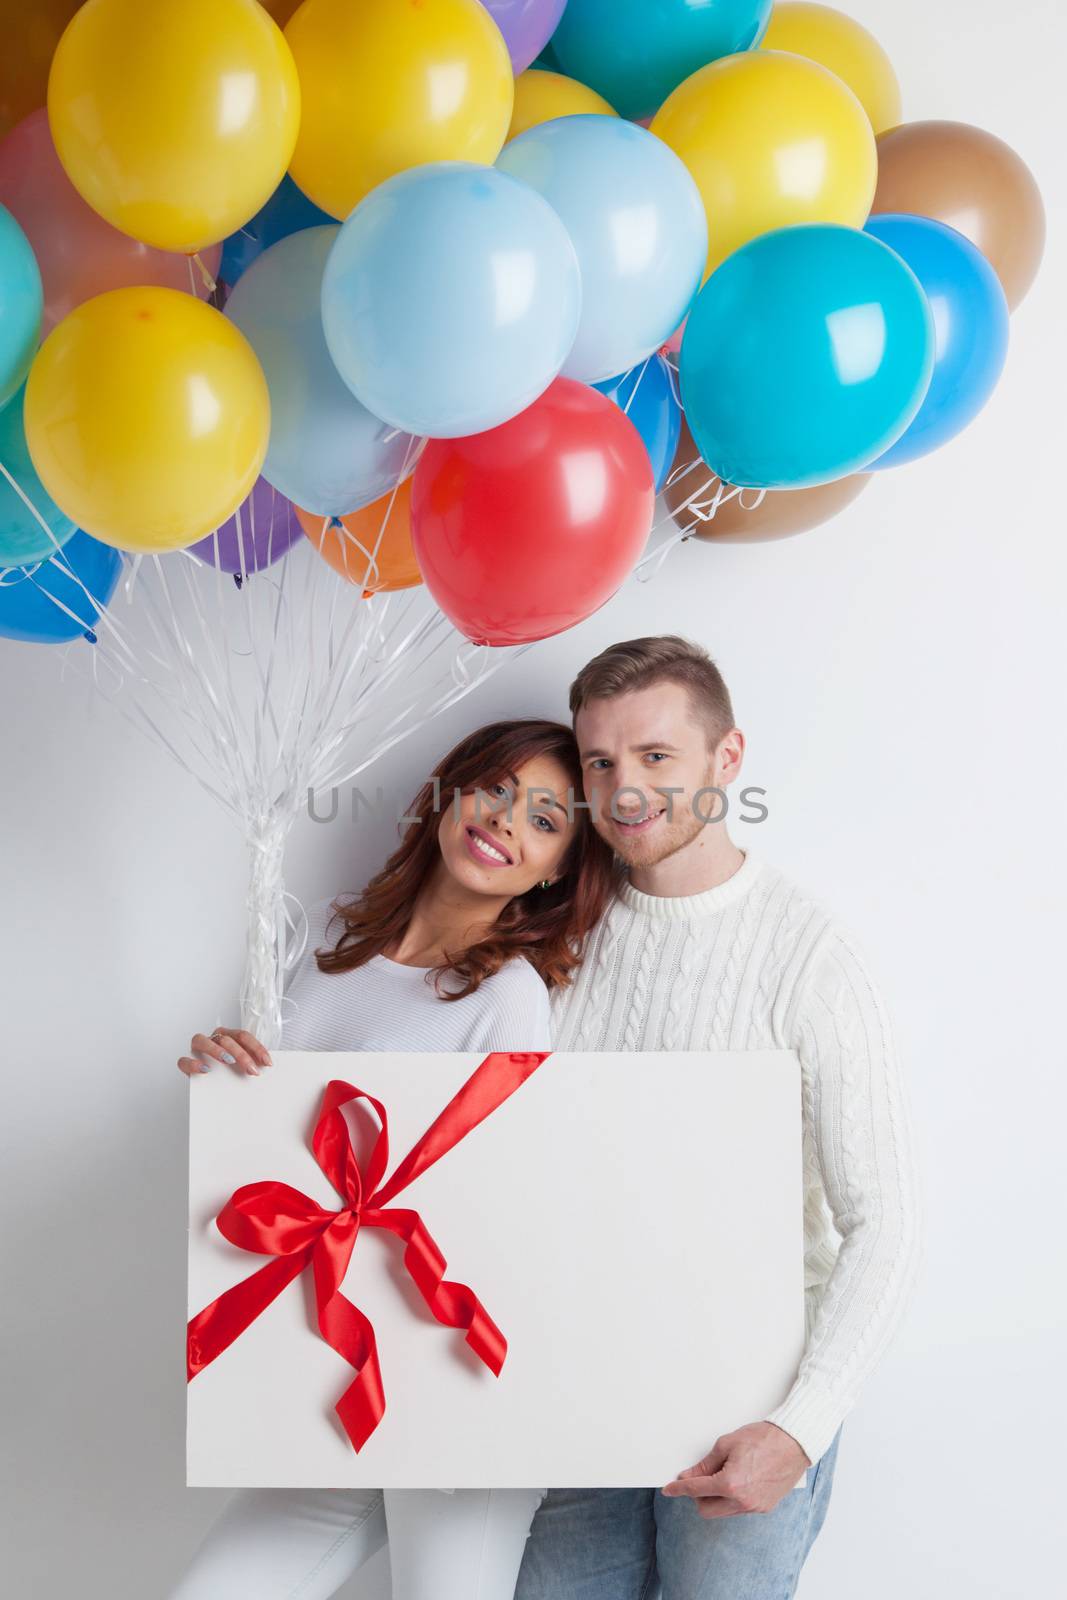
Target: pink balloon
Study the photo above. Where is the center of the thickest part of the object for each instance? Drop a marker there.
(79, 254)
(674, 343)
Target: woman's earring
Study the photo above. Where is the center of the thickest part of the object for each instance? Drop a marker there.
(545, 884)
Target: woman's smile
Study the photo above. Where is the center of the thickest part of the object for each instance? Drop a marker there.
(483, 848)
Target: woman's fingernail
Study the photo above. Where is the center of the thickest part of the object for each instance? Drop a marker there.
(229, 1060)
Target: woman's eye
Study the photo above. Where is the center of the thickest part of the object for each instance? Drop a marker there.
(498, 788)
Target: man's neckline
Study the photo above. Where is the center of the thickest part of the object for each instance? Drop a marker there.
(685, 907)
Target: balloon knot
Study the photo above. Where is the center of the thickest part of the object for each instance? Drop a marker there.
(90, 635)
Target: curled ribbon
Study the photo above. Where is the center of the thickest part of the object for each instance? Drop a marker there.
(274, 1219)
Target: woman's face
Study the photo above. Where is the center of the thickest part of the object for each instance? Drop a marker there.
(507, 836)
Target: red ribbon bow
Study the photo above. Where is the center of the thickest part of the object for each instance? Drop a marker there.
(274, 1219)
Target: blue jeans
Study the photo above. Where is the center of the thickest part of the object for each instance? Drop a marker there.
(608, 1544)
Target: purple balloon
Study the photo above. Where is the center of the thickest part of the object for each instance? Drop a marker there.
(527, 26)
(259, 532)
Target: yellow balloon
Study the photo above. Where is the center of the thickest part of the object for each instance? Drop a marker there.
(174, 119)
(389, 85)
(542, 96)
(845, 46)
(770, 139)
(147, 418)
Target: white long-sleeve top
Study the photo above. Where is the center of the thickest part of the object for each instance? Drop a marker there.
(757, 963)
(385, 1005)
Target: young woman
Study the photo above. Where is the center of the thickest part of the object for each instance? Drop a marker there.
(454, 945)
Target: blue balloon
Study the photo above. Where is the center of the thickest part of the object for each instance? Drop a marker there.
(806, 355)
(970, 329)
(637, 222)
(29, 610)
(636, 52)
(287, 211)
(451, 299)
(22, 539)
(646, 395)
(327, 453)
(21, 306)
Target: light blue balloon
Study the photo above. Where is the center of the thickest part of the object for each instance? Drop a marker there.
(451, 299)
(636, 52)
(21, 306)
(806, 355)
(638, 225)
(22, 539)
(327, 453)
(970, 329)
(35, 601)
(646, 394)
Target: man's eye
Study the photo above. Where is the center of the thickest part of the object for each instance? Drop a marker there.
(657, 755)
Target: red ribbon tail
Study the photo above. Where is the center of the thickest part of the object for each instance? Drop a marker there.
(350, 1332)
(215, 1328)
(453, 1304)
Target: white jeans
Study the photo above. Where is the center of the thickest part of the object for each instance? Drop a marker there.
(302, 1544)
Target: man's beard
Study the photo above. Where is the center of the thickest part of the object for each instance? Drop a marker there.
(679, 827)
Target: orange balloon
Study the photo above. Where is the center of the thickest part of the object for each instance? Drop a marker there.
(372, 546)
(30, 31)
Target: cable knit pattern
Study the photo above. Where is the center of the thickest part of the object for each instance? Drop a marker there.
(757, 963)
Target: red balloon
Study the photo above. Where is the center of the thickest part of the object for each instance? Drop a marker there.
(526, 529)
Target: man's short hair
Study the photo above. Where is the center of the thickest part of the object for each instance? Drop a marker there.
(661, 658)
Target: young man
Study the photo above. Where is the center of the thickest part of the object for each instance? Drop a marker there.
(711, 947)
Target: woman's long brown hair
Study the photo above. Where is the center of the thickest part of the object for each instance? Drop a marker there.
(547, 926)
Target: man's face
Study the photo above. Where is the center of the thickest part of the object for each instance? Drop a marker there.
(634, 747)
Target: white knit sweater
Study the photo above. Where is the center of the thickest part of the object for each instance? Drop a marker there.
(757, 963)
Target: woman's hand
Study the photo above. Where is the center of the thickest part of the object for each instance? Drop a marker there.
(236, 1047)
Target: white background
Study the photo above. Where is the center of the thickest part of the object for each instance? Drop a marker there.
(898, 674)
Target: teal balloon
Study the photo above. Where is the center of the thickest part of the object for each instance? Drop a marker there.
(806, 355)
(970, 329)
(22, 539)
(33, 598)
(327, 453)
(636, 52)
(21, 306)
(646, 395)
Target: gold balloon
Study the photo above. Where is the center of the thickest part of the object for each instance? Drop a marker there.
(839, 42)
(174, 119)
(389, 85)
(691, 487)
(542, 96)
(977, 184)
(147, 418)
(770, 140)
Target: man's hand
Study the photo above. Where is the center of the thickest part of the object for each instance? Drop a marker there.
(750, 1469)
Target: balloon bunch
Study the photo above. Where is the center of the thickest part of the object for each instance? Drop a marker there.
(495, 246)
